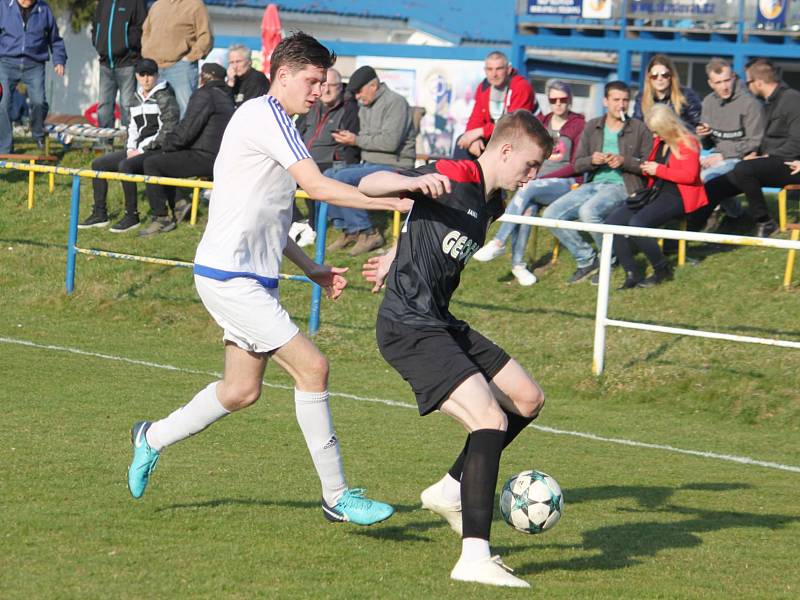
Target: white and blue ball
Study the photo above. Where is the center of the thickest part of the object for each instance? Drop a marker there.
(531, 502)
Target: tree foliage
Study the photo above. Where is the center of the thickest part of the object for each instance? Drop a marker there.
(80, 12)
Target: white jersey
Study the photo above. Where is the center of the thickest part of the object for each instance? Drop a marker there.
(251, 206)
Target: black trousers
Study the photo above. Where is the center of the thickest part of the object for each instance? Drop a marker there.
(182, 163)
(748, 177)
(663, 209)
(118, 162)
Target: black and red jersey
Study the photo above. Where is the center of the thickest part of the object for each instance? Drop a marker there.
(438, 238)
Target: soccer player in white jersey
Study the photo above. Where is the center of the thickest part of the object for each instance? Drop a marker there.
(260, 163)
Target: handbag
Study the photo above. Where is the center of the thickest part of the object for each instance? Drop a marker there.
(641, 198)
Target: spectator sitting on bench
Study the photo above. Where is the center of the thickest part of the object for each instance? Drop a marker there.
(190, 149)
(154, 113)
(387, 138)
(244, 80)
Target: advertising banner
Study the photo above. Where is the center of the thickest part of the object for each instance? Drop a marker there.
(556, 7)
(771, 14)
(597, 9)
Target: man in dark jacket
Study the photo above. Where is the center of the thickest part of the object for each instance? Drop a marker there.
(28, 37)
(246, 82)
(190, 149)
(117, 36)
(610, 152)
(332, 112)
(154, 114)
(766, 167)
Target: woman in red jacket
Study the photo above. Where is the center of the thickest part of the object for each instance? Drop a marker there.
(674, 167)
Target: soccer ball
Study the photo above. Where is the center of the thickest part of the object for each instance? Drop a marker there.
(531, 502)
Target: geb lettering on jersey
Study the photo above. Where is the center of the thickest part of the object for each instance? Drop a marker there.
(459, 246)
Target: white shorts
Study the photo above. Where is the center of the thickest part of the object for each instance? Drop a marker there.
(250, 314)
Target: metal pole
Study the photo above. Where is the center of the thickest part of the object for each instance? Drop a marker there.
(602, 304)
(319, 258)
(73, 232)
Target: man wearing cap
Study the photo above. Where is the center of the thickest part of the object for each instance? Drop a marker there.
(154, 114)
(28, 39)
(387, 138)
(190, 149)
(177, 34)
(117, 35)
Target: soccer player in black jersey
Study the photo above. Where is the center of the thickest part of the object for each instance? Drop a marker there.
(451, 367)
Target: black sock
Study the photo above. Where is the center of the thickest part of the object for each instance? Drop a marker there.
(479, 480)
(516, 424)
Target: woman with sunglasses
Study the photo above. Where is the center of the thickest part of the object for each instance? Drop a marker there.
(662, 85)
(556, 178)
(673, 167)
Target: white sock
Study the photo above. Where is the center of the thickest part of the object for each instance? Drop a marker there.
(474, 549)
(314, 417)
(192, 418)
(451, 489)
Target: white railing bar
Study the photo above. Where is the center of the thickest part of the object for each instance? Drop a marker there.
(600, 320)
(702, 334)
(671, 234)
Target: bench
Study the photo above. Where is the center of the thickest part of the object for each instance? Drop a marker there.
(33, 159)
(782, 201)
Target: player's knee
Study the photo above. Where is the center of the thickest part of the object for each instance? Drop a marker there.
(532, 401)
(238, 396)
(315, 372)
(492, 418)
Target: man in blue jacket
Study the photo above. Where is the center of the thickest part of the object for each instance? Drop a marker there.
(28, 37)
(117, 36)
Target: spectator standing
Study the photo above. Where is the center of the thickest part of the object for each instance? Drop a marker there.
(247, 83)
(190, 149)
(610, 152)
(766, 167)
(662, 85)
(674, 166)
(732, 126)
(332, 112)
(28, 39)
(177, 34)
(503, 91)
(387, 139)
(154, 114)
(555, 178)
(117, 35)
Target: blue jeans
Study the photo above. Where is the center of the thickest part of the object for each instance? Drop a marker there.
(182, 76)
(352, 220)
(12, 71)
(590, 203)
(732, 206)
(119, 79)
(538, 192)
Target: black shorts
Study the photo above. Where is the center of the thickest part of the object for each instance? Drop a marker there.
(436, 360)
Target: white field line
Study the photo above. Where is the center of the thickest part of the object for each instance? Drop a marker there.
(744, 460)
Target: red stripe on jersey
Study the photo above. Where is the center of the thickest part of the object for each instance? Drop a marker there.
(461, 171)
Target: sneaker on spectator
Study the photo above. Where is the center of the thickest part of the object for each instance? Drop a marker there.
(181, 210)
(369, 240)
(343, 241)
(96, 219)
(766, 228)
(490, 251)
(714, 220)
(158, 225)
(128, 222)
(582, 273)
(524, 277)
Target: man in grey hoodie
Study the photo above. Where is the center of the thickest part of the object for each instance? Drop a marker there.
(732, 125)
(387, 138)
(768, 165)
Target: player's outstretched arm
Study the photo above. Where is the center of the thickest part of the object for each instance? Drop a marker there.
(331, 279)
(376, 268)
(387, 183)
(319, 187)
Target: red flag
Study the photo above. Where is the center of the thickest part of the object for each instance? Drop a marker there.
(270, 34)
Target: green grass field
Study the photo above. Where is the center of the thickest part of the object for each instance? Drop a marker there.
(234, 512)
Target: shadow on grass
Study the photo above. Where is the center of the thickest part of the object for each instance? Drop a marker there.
(620, 546)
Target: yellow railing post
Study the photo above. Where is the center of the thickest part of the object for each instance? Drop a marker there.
(787, 275)
(682, 246)
(396, 225)
(195, 202)
(30, 185)
(782, 209)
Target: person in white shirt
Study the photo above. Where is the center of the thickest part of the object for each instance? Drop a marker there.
(261, 160)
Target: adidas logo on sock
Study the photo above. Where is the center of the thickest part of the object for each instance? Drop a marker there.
(331, 443)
